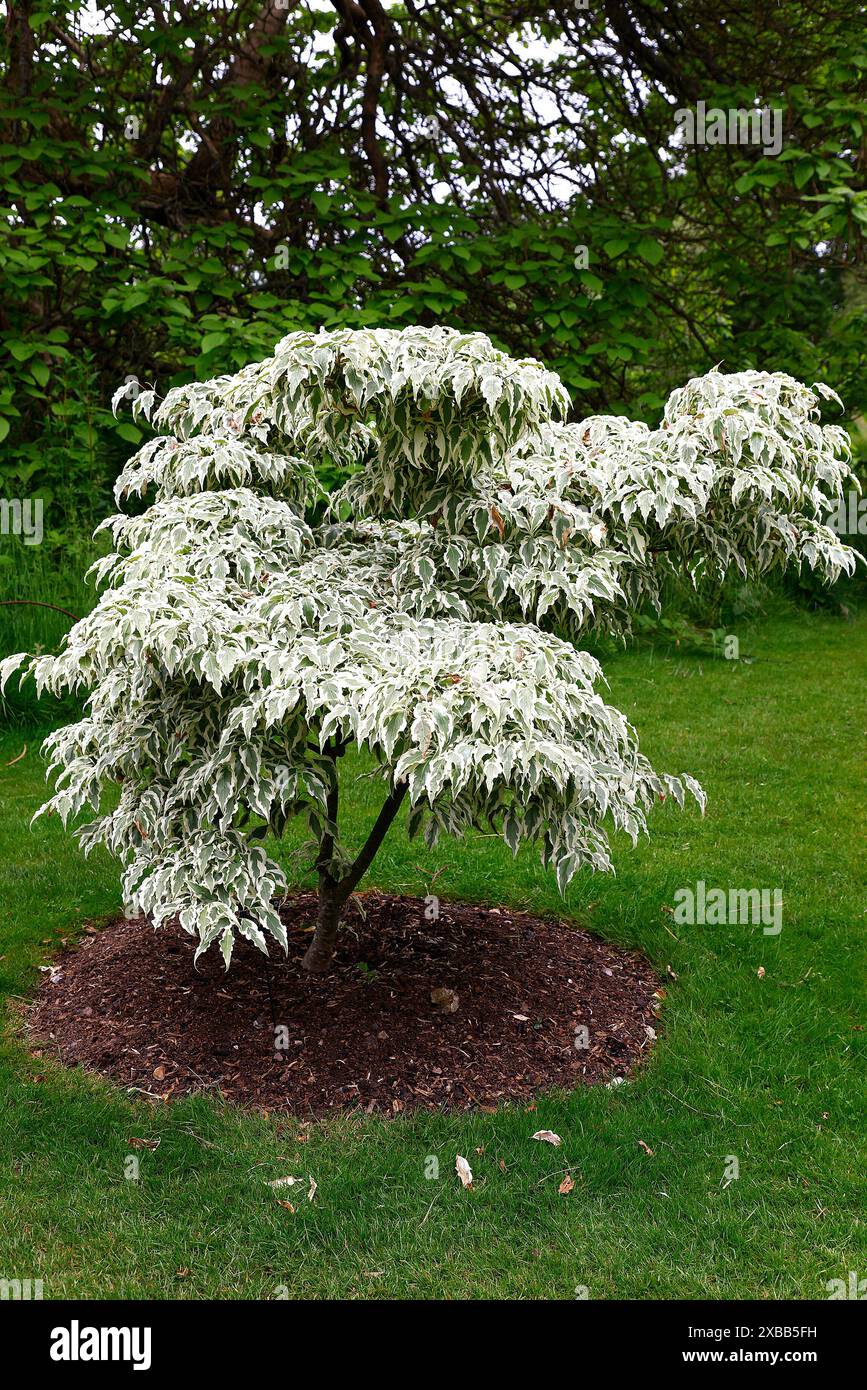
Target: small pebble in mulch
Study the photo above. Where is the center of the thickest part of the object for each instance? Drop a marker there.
(477, 1008)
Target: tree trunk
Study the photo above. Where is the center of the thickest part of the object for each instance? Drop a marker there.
(318, 956)
(334, 893)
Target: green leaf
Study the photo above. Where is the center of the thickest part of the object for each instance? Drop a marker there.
(650, 250)
(40, 373)
(213, 340)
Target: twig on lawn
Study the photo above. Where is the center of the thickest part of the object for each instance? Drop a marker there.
(39, 603)
(792, 984)
(430, 1208)
(198, 1138)
(705, 1113)
(549, 1176)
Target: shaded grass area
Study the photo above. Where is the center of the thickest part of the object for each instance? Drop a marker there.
(43, 590)
(766, 1070)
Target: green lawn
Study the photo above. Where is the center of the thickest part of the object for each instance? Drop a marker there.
(763, 1069)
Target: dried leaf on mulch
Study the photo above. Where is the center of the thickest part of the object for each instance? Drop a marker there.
(445, 999)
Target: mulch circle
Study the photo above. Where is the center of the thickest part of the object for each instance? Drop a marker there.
(480, 1006)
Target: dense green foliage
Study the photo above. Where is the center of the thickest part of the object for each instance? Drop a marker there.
(185, 184)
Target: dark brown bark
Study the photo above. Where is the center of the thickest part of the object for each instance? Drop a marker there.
(368, 23)
(334, 893)
(210, 168)
(20, 46)
(321, 949)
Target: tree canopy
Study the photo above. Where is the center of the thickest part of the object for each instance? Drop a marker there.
(246, 637)
(184, 184)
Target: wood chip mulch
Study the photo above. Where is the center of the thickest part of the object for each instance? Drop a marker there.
(476, 1008)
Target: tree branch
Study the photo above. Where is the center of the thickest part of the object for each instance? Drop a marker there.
(387, 814)
(38, 603)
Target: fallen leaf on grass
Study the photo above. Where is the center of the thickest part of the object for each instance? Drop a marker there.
(312, 1189)
(646, 1147)
(143, 1143)
(566, 1185)
(284, 1182)
(464, 1171)
(548, 1136)
(761, 972)
(287, 1205)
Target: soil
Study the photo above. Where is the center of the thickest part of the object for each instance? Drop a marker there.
(480, 1006)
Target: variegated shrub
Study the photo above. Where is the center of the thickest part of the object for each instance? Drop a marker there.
(251, 630)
